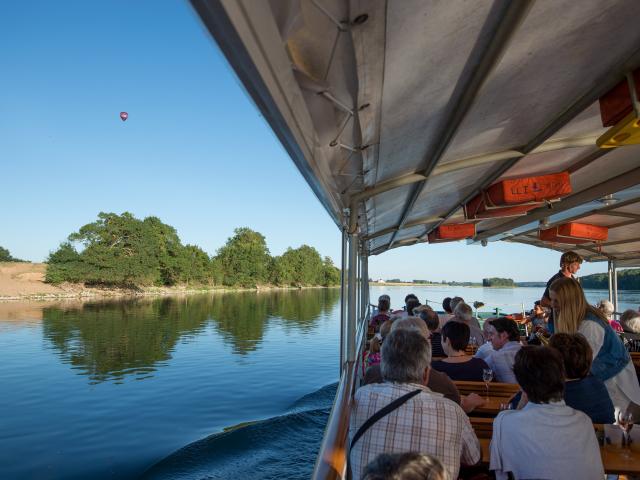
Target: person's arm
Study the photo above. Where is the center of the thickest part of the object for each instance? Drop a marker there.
(471, 402)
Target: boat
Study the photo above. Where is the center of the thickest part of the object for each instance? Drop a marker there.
(417, 121)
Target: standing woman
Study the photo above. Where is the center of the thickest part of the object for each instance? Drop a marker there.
(611, 361)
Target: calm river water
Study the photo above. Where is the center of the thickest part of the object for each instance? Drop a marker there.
(110, 389)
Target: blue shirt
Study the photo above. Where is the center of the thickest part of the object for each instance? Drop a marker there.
(589, 395)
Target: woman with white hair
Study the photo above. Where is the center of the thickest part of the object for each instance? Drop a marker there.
(606, 307)
(463, 313)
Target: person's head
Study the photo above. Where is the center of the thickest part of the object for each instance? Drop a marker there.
(384, 304)
(606, 307)
(487, 329)
(630, 321)
(411, 296)
(446, 305)
(505, 330)
(570, 262)
(569, 305)
(537, 309)
(463, 312)
(412, 303)
(411, 322)
(575, 352)
(385, 328)
(405, 356)
(540, 373)
(455, 337)
(405, 466)
(454, 302)
(430, 318)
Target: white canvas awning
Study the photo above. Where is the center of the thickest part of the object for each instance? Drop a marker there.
(401, 111)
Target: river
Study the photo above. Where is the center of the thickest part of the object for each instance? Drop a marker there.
(116, 389)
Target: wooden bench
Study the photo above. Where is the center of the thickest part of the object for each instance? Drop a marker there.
(496, 389)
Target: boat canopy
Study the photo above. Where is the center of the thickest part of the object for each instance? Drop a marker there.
(398, 113)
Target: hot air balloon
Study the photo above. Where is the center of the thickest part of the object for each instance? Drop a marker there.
(124, 116)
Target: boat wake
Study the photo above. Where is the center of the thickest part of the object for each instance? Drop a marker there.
(281, 447)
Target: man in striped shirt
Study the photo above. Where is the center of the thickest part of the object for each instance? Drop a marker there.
(426, 423)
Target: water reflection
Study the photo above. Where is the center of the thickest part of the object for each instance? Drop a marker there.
(116, 339)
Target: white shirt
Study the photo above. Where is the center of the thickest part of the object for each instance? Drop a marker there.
(501, 362)
(623, 388)
(545, 441)
(484, 351)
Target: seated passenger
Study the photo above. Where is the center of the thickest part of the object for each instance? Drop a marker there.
(630, 321)
(582, 390)
(384, 305)
(505, 340)
(606, 307)
(405, 466)
(486, 348)
(458, 365)
(463, 313)
(546, 439)
(432, 322)
(454, 303)
(448, 313)
(425, 423)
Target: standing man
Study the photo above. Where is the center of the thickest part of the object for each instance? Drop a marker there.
(569, 265)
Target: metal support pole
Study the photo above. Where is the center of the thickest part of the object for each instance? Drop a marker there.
(615, 288)
(343, 295)
(610, 273)
(365, 282)
(352, 293)
(359, 286)
(364, 285)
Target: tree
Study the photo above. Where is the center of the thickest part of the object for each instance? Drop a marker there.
(65, 265)
(5, 256)
(244, 259)
(331, 273)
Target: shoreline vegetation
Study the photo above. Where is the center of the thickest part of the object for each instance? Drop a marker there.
(120, 255)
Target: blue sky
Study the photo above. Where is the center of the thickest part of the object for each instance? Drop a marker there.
(194, 152)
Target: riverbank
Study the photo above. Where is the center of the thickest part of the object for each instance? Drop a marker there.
(25, 281)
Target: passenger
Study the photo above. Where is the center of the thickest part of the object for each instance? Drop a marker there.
(630, 321)
(454, 303)
(569, 265)
(486, 348)
(426, 423)
(606, 307)
(405, 466)
(539, 317)
(384, 305)
(582, 390)
(505, 340)
(463, 313)
(611, 361)
(448, 313)
(432, 322)
(546, 439)
(411, 305)
(458, 365)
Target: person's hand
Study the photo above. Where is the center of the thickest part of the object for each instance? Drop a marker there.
(471, 402)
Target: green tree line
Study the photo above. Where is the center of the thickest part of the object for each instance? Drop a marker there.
(627, 280)
(498, 282)
(121, 250)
